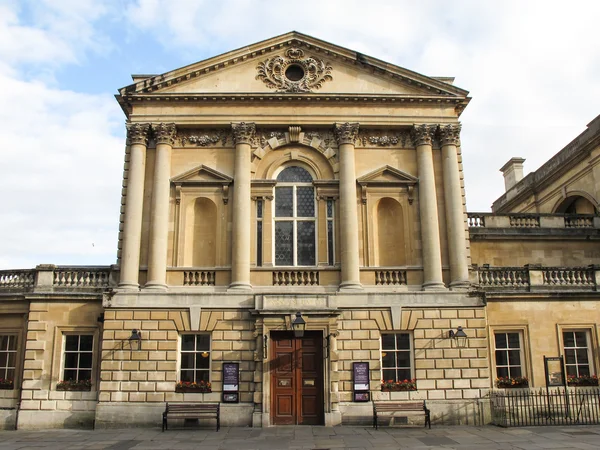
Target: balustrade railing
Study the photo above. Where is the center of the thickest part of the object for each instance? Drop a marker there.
(296, 278)
(390, 277)
(199, 278)
(509, 277)
(476, 220)
(17, 279)
(579, 221)
(75, 277)
(569, 277)
(526, 220)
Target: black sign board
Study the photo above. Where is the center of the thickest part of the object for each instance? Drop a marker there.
(231, 382)
(360, 371)
(555, 371)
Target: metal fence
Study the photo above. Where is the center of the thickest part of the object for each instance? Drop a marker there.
(524, 408)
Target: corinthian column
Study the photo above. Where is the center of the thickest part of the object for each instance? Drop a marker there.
(137, 134)
(455, 226)
(159, 227)
(243, 133)
(430, 231)
(345, 134)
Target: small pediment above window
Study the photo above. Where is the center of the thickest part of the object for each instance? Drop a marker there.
(387, 175)
(202, 176)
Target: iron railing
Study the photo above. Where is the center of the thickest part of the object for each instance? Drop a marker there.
(524, 408)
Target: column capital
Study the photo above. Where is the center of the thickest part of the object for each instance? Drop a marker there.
(243, 132)
(345, 133)
(422, 134)
(164, 133)
(450, 134)
(137, 133)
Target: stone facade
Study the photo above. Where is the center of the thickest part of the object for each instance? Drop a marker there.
(297, 176)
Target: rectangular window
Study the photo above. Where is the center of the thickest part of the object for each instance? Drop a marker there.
(396, 356)
(78, 357)
(195, 358)
(577, 353)
(8, 358)
(330, 253)
(508, 354)
(259, 232)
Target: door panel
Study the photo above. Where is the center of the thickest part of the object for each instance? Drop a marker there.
(297, 378)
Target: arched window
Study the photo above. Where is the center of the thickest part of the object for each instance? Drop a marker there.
(295, 218)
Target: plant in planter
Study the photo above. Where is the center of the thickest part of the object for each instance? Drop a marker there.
(201, 387)
(400, 385)
(582, 380)
(6, 383)
(74, 385)
(512, 382)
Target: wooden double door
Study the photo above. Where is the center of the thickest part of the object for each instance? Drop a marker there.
(297, 378)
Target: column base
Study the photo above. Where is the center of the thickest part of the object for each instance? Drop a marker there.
(239, 286)
(460, 285)
(434, 286)
(155, 286)
(350, 286)
(127, 286)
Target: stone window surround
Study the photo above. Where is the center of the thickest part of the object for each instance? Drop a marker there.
(17, 333)
(210, 354)
(58, 355)
(523, 331)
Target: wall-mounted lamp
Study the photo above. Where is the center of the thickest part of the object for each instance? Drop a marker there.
(265, 348)
(299, 325)
(135, 340)
(459, 336)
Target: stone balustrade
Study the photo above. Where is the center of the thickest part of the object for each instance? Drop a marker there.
(534, 277)
(57, 278)
(524, 220)
(17, 279)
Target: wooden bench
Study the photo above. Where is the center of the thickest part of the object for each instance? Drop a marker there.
(392, 407)
(191, 411)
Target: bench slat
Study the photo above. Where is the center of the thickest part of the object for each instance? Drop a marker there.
(392, 407)
(191, 411)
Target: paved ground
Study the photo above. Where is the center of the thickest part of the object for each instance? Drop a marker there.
(316, 438)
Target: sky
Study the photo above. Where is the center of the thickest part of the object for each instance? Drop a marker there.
(532, 69)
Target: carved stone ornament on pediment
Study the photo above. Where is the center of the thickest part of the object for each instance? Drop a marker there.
(203, 138)
(294, 72)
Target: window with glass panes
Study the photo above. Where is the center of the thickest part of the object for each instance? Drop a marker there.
(295, 218)
(330, 257)
(577, 353)
(195, 358)
(508, 354)
(78, 357)
(8, 356)
(396, 356)
(259, 231)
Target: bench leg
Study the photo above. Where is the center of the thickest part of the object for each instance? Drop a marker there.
(218, 422)
(375, 421)
(164, 422)
(428, 419)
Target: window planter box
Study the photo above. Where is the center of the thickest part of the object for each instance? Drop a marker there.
(512, 383)
(193, 388)
(7, 387)
(399, 386)
(584, 381)
(74, 386)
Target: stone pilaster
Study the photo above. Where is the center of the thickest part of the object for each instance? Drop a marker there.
(159, 228)
(137, 135)
(243, 133)
(455, 226)
(430, 233)
(346, 134)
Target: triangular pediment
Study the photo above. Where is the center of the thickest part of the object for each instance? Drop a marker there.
(387, 175)
(202, 175)
(322, 68)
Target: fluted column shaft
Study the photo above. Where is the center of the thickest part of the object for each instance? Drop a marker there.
(243, 133)
(430, 230)
(346, 134)
(137, 135)
(455, 226)
(159, 227)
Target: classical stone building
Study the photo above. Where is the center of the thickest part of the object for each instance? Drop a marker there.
(296, 176)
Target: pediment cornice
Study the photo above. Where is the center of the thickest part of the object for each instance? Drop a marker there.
(202, 176)
(387, 175)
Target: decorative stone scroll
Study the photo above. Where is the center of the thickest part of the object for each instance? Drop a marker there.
(243, 133)
(137, 133)
(346, 133)
(450, 134)
(164, 133)
(423, 134)
(293, 72)
(384, 138)
(203, 138)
